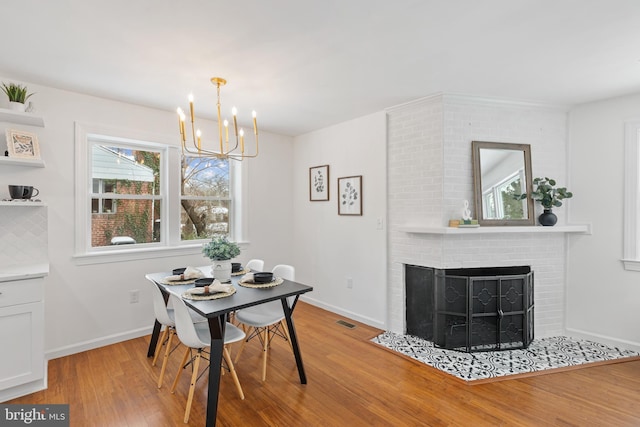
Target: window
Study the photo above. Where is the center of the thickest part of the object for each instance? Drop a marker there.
(205, 198)
(631, 258)
(126, 203)
(136, 193)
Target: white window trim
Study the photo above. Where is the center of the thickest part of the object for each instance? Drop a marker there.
(171, 244)
(631, 260)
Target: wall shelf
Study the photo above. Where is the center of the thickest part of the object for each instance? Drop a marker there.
(36, 163)
(27, 203)
(421, 229)
(20, 118)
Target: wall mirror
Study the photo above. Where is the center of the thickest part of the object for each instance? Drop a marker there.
(500, 171)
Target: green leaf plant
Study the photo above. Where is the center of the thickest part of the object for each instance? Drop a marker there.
(15, 92)
(546, 193)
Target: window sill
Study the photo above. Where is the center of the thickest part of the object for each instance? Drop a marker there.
(631, 264)
(140, 253)
(135, 254)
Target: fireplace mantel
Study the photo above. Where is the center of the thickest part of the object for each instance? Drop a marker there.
(423, 229)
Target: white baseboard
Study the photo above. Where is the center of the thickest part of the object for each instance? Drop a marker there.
(22, 390)
(362, 319)
(603, 339)
(96, 343)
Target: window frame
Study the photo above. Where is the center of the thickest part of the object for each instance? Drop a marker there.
(631, 255)
(170, 244)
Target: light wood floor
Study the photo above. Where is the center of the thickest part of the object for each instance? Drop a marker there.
(351, 382)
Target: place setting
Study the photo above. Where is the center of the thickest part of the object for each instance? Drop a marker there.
(183, 276)
(208, 288)
(260, 280)
(238, 270)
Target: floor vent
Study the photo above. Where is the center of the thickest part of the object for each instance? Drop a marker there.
(345, 324)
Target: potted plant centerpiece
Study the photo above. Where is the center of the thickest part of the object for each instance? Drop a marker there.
(220, 251)
(549, 196)
(17, 95)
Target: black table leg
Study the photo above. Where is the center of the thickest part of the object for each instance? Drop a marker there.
(154, 339)
(294, 339)
(216, 328)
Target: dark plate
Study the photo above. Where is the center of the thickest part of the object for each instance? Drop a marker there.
(235, 267)
(262, 277)
(177, 271)
(204, 281)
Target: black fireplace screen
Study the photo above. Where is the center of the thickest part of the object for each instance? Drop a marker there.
(472, 309)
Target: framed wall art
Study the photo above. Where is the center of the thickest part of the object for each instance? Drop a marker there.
(350, 195)
(319, 183)
(21, 144)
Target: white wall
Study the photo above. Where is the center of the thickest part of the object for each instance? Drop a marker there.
(330, 248)
(603, 298)
(88, 306)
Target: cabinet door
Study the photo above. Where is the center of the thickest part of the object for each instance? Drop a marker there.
(22, 349)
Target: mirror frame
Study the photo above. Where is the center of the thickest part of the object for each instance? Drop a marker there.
(476, 146)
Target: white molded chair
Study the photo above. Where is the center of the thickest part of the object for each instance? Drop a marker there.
(196, 336)
(165, 316)
(255, 264)
(266, 320)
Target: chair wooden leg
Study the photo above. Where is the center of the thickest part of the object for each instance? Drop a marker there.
(184, 360)
(192, 386)
(165, 359)
(159, 345)
(232, 370)
(264, 353)
(244, 341)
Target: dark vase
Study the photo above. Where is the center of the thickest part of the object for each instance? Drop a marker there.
(548, 218)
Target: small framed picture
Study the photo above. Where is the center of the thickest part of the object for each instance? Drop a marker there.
(350, 195)
(22, 144)
(319, 183)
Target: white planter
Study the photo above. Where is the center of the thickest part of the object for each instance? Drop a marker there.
(17, 106)
(221, 270)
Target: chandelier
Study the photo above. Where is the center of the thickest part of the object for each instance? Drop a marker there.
(235, 151)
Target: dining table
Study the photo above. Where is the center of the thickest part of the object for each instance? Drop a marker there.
(217, 312)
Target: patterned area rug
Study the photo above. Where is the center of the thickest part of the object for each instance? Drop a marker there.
(543, 354)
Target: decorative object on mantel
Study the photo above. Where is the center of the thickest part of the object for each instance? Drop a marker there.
(549, 196)
(17, 95)
(319, 183)
(220, 251)
(22, 144)
(350, 195)
(467, 220)
(224, 150)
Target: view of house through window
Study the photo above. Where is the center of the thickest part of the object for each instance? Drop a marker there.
(124, 204)
(204, 198)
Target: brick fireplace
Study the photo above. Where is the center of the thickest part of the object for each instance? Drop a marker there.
(429, 177)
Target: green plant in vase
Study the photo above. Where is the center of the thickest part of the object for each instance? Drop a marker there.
(220, 251)
(549, 196)
(17, 95)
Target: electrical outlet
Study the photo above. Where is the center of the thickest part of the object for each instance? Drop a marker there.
(349, 282)
(134, 296)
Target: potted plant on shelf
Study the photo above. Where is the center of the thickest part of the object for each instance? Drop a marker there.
(220, 251)
(17, 95)
(549, 197)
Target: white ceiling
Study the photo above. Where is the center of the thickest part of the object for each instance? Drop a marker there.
(308, 64)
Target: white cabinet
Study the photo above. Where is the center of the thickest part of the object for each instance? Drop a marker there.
(22, 363)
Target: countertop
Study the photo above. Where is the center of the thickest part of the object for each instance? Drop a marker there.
(24, 272)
